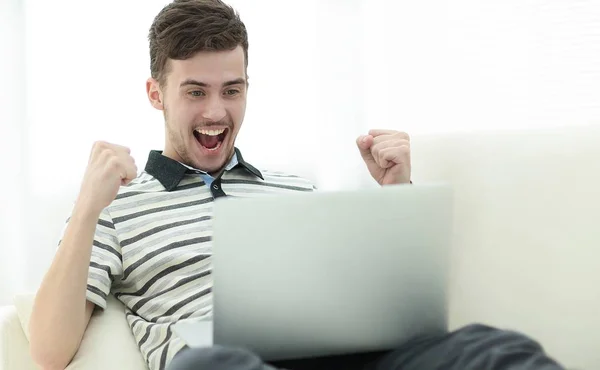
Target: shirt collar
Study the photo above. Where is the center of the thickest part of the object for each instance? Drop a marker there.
(170, 172)
(231, 165)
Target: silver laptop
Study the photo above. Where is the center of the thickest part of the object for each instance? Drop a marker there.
(328, 273)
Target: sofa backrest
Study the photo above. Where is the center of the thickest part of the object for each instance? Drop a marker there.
(526, 245)
(526, 235)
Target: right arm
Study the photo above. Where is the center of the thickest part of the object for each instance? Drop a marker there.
(61, 310)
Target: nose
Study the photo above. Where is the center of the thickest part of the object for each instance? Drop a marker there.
(214, 110)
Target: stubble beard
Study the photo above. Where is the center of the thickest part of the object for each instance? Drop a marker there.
(177, 141)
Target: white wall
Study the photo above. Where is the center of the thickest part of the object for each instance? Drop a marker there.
(423, 67)
(12, 109)
(484, 65)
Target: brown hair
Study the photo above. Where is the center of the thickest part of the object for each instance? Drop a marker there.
(186, 27)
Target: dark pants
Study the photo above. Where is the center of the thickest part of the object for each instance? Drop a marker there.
(474, 347)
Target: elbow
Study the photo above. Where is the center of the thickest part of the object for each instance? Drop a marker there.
(48, 354)
(48, 358)
(48, 361)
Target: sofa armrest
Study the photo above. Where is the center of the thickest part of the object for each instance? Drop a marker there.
(14, 348)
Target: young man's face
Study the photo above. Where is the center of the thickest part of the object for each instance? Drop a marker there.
(204, 102)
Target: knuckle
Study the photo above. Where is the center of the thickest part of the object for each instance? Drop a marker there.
(106, 155)
(99, 144)
(401, 143)
(402, 136)
(122, 149)
(113, 162)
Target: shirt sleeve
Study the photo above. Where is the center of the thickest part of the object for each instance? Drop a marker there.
(106, 262)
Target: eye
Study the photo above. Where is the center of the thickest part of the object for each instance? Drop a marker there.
(196, 93)
(232, 92)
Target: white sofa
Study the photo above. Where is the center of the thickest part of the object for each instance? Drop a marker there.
(107, 343)
(526, 244)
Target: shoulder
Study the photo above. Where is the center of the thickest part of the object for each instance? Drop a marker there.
(140, 186)
(288, 179)
(144, 181)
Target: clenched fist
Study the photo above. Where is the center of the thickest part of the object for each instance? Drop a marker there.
(109, 167)
(387, 155)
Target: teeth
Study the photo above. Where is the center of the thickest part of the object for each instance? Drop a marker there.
(210, 132)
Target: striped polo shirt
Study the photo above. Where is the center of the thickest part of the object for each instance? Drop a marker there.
(152, 246)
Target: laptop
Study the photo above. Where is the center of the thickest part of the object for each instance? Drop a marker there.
(328, 273)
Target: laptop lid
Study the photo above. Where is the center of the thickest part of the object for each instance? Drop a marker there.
(327, 273)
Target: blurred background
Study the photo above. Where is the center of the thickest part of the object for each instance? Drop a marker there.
(322, 72)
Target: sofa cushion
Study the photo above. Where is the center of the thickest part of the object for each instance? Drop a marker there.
(107, 342)
(14, 347)
(24, 303)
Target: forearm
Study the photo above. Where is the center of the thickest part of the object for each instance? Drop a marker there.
(59, 317)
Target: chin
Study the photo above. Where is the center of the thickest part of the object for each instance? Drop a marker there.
(210, 166)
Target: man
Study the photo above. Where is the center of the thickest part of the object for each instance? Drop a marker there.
(146, 238)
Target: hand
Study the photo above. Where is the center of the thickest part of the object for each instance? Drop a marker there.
(109, 167)
(387, 156)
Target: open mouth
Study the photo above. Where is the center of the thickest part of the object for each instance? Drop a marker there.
(211, 139)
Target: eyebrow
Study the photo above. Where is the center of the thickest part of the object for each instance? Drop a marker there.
(237, 81)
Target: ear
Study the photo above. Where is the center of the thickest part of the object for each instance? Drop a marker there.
(155, 95)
